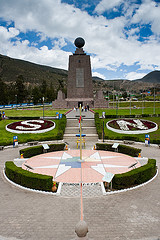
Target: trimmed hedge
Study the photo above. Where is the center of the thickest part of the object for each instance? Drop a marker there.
(33, 151)
(98, 124)
(121, 149)
(136, 176)
(28, 179)
(23, 118)
(61, 127)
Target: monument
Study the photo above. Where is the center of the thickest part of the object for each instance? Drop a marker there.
(79, 84)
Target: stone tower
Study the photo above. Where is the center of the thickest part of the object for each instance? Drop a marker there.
(79, 85)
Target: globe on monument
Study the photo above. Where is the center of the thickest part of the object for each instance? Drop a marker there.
(79, 42)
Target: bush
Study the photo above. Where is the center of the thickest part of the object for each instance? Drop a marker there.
(132, 138)
(136, 176)
(121, 149)
(98, 124)
(33, 151)
(28, 179)
(61, 127)
(23, 118)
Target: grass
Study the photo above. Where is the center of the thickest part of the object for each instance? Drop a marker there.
(36, 112)
(139, 137)
(7, 137)
(124, 109)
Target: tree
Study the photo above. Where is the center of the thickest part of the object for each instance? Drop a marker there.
(43, 88)
(20, 89)
(3, 93)
(36, 94)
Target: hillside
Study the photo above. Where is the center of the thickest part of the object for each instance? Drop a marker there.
(152, 77)
(32, 73)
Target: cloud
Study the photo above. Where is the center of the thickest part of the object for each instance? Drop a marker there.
(134, 75)
(110, 42)
(97, 74)
(105, 5)
(148, 13)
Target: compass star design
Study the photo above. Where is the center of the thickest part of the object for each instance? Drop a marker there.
(67, 166)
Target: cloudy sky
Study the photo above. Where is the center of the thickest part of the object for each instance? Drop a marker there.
(121, 36)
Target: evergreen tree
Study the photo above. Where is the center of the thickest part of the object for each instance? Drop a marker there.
(3, 93)
(20, 89)
(36, 95)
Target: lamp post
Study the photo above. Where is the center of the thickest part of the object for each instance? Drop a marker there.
(43, 106)
(103, 116)
(16, 101)
(142, 102)
(154, 103)
(130, 104)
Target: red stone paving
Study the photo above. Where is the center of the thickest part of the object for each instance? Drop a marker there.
(64, 167)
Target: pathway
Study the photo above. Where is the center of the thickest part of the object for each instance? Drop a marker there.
(88, 128)
(132, 215)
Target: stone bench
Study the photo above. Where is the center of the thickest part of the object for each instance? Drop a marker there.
(32, 143)
(128, 142)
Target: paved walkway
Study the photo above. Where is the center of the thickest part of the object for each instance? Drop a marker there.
(131, 215)
(29, 216)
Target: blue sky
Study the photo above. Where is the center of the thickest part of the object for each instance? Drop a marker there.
(121, 36)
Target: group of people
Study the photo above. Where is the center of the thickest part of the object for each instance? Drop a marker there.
(2, 114)
(84, 108)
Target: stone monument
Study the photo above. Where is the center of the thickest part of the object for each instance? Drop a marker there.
(79, 84)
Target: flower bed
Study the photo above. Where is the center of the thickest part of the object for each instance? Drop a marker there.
(131, 126)
(31, 126)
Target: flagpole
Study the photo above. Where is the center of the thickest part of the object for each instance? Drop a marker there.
(80, 134)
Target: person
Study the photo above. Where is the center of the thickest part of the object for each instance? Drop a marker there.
(74, 108)
(0, 114)
(87, 106)
(82, 108)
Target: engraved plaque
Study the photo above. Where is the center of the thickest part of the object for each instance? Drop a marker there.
(79, 77)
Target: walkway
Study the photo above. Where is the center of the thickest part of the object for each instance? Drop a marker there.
(88, 128)
(132, 215)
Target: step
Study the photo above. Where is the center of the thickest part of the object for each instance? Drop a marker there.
(85, 130)
(71, 135)
(84, 123)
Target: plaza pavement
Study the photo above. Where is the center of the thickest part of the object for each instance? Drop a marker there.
(131, 215)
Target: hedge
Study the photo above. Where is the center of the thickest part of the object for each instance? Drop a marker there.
(33, 151)
(136, 176)
(121, 149)
(28, 179)
(61, 127)
(98, 124)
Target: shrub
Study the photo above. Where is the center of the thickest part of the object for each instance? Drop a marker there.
(28, 179)
(136, 176)
(121, 149)
(33, 151)
(23, 118)
(98, 124)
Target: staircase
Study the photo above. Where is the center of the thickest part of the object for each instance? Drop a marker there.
(88, 128)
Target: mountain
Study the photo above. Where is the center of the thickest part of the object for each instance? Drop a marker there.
(152, 77)
(32, 73)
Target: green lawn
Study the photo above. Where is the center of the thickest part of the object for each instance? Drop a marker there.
(124, 109)
(154, 136)
(34, 112)
(7, 137)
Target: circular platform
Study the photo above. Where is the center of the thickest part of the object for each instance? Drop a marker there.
(66, 166)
